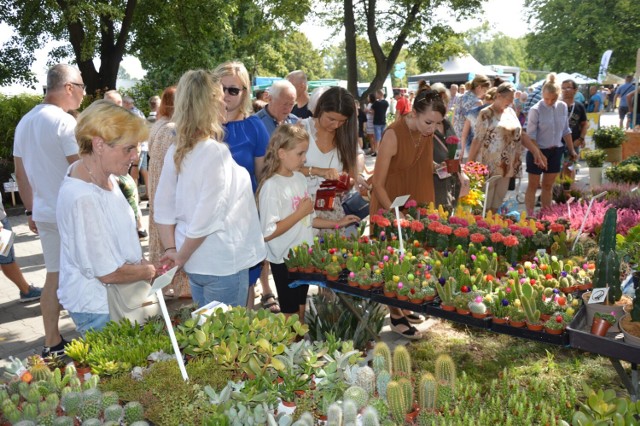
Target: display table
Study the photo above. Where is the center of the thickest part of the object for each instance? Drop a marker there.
(631, 145)
(576, 336)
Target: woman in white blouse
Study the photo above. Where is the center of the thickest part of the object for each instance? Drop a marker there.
(99, 240)
(204, 206)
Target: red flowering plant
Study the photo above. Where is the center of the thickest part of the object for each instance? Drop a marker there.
(452, 143)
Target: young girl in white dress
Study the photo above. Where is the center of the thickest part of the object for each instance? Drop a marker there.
(286, 211)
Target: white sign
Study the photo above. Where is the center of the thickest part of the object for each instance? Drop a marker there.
(399, 201)
(598, 295)
(163, 280)
(10, 186)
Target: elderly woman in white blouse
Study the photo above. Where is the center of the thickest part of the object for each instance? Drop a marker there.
(204, 206)
(99, 240)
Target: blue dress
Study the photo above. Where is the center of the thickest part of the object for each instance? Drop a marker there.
(247, 139)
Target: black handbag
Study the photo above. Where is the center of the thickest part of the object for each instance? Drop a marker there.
(353, 203)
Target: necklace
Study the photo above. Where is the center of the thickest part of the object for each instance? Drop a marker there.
(93, 178)
(415, 144)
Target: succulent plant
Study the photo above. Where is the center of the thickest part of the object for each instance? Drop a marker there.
(366, 379)
(110, 398)
(395, 399)
(92, 422)
(91, 404)
(40, 371)
(427, 392)
(407, 391)
(25, 423)
(71, 403)
(113, 412)
(334, 415)
(383, 379)
(63, 421)
(29, 411)
(133, 412)
(358, 395)
(446, 371)
(382, 349)
(370, 417)
(349, 412)
(139, 423)
(401, 361)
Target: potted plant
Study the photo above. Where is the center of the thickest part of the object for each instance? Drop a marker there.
(390, 289)
(555, 324)
(78, 351)
(500, 309)
(610, 139)
(444, 288)
(461, 302)
(595, 160)
(516, 317)
(601, 323)
(453, 164)
(478, 308)
(630, 323)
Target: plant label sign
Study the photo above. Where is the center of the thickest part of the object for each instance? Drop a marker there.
(598, 295)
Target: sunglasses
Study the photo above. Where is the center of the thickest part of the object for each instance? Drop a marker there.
(233, 91)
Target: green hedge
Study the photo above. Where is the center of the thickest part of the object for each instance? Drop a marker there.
(12, 109)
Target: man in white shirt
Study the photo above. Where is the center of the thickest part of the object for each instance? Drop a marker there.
(44, 146)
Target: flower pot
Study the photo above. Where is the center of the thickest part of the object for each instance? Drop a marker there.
(453, 165)
(333, 277)
(449, 308)
(353, 283)
(411, 417)
(568, 290)
(618, 309)
(516, 324)
(287, 407)
(401, 297)
(614, 155)
(365, 286)
(599, 327)
(416, 301)
(389, 294)
(292, 270)
(496, 320)
(463, 311)
(595, 176)
(584, 287)
(429, 298)
(309, 269)
(545, 317)
(535, 327)
(553, 330)
(630, 330)
(378, 284)
(479, 316)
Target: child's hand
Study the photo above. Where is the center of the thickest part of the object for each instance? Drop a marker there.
(305, 207)
(348, 220)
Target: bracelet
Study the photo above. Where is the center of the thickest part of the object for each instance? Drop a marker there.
(28, 212)
(310, 174)
(170, 248)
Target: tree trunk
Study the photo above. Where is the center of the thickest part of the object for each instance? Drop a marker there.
(350, 48)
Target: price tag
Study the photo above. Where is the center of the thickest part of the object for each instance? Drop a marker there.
(399, 201)
(598, 295)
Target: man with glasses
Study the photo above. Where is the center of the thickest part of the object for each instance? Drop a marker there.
(578, 122)
(44, 146)
(278, 110)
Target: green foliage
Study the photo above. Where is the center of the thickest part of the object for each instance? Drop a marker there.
(401, 361)
(568, 39)
(608, 137)
(12, 109)
(627, 171)
(594, 157)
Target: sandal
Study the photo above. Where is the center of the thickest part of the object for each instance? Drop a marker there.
(413, 318)
(273, 305)
(402, 327)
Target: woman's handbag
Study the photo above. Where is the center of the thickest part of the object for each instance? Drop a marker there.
(131, 301)
(353, 203)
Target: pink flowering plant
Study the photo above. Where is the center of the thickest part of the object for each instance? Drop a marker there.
(452, 143)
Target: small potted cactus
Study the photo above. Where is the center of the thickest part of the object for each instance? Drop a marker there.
(555, 325)
(602, 322)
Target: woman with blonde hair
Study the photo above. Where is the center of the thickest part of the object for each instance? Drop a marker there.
(247, 138)
(99, 240)
(205, 209)
(547, 126)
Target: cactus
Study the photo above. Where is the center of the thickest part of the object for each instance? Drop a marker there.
(40, 371)
(25, 423)
(113, 413)
(366, 379)
(383, 379)
(306, 419)
(71, 403)
(12, 413)
(139, 423)
(29, 411)
(607, 273)
(445, 371)
(382, 349)
(33, 395)
(478, 307)
(349, 412)
(401, 361)
(110, 398)
(358, 395)
(63, 421)
(370, 417)
(92, 422)
(133, 412)
(379, 364)
(407, 391)
(23, 389)
(110, 423)
(334, 415)
(427, 392)
(91, 405)
(528, 297)
(46, 417)
(445, 290)
(395, 400)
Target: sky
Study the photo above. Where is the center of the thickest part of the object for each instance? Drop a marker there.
(494, 11)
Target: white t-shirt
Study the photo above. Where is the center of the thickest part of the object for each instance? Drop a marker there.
(279, 198)
(98, 235)
(212, 198)
(44, 138)
(317, 158)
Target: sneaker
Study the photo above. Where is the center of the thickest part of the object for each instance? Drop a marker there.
(57, 350)
(142, 234)
(34, 293)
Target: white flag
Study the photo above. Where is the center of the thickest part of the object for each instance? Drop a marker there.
(604, 64)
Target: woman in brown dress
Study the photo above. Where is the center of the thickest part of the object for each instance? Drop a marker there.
(161, 136)
(405, 167)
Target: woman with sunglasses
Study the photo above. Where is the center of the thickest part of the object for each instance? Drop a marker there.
(247, 138)
(405, 167)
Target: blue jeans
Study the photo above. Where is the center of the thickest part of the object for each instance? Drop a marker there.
(231, 289)
(86, 321)
(377, 131)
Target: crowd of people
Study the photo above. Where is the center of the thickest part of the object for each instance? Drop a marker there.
(232, 177)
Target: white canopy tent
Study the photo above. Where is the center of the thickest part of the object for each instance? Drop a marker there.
(457, 69)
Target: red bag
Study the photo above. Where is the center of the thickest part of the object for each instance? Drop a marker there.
(325, 197)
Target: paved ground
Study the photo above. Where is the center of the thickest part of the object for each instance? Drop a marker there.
(21, 329)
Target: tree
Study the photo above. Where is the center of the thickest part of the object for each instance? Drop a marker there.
(573, 34)
(404, 23)
(94, 29)
(335, 60)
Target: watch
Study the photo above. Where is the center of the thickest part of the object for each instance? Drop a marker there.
(28, 212)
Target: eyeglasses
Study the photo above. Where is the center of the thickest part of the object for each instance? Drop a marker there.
(568, 88)
(233, 91)
(84, 86)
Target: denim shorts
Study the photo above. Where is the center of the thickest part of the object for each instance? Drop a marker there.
(86, 321)
(11, 256)
(378, 129)
(143, 164)
(554, 161)
(231, 289)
